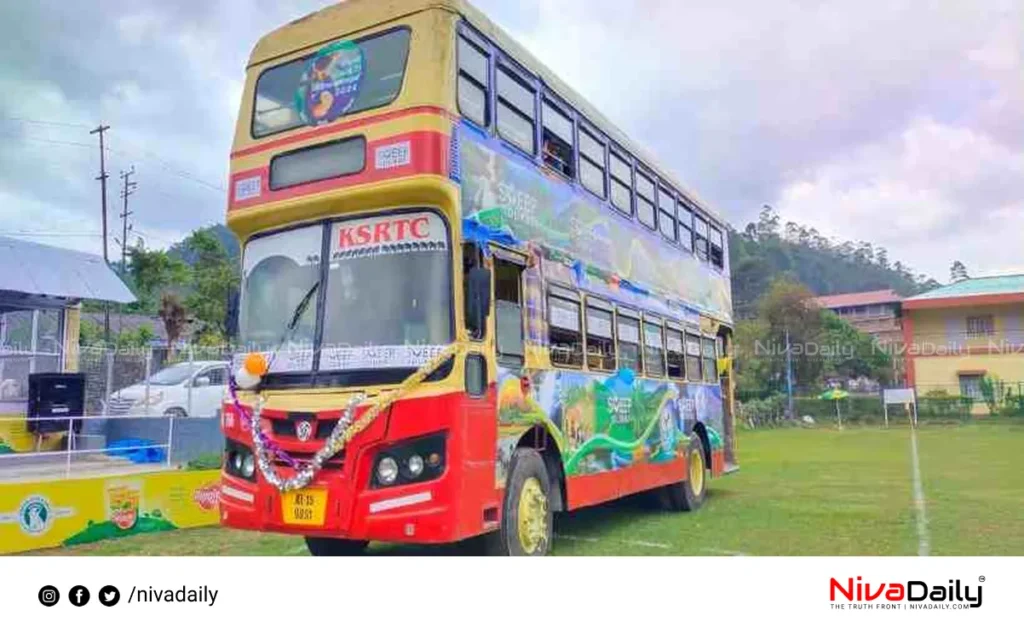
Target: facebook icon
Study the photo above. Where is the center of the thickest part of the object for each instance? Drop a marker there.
(79, 595)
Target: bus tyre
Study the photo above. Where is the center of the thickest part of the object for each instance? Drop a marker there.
(526, 521)
(319, 546)
(689, 494)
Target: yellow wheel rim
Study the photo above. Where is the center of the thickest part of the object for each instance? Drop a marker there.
(533, 516)
(697, 472)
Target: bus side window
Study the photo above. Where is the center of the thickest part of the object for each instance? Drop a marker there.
(710, 361)
(628, 331)
(474, 82)
(565, 332)
(674, 352)
(557, 139)
(654, 360)
(600, 341)
(508, 312)
(692, 358)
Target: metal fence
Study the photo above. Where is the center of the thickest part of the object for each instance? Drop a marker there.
(110, 372)
(111, 444)
(999, 401)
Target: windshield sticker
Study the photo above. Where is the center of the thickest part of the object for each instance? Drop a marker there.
(387, 235)
(291, 357)
(330, 84)
(378, 356)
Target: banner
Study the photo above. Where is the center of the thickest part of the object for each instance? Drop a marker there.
(508, 194)
(38, 515)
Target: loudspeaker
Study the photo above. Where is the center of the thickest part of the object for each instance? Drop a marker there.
(55, 396)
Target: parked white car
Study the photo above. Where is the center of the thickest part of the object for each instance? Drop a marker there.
(182, 390)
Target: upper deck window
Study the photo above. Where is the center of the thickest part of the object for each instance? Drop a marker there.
(622, 184)
(592, 163)
(717, 248)
(645, 200)
(700, 236)
(517, 111)
(474, 82)
(557, 148)
(685, 215)
(667, 221)
(340, 79)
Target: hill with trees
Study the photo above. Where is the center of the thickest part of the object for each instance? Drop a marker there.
(768, 249)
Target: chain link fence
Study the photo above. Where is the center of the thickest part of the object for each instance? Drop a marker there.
(153, 380)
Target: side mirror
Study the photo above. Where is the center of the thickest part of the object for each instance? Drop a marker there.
(478, 301)
(202, 381)
(231, 315)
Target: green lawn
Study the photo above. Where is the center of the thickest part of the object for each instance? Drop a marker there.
(799, 492)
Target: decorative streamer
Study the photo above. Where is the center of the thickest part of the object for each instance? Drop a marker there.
(343, 432)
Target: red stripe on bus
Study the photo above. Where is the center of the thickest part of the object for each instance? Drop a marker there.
(428, 154)
(326, 130)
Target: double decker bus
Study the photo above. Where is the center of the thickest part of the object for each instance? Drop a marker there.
(470, 301)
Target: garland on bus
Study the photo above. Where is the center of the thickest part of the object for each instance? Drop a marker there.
(343, 431)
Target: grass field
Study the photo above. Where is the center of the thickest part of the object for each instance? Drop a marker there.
(799, 492)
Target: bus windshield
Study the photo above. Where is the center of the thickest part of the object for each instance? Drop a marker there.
(388, 293)
(342, 78)
(279, 270)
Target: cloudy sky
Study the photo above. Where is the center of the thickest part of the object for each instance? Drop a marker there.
(896, 122)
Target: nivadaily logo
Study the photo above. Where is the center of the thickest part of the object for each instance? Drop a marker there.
(913, 594)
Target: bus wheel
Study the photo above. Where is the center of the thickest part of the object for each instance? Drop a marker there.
(689, 494)
(527, 519)
(319, 546)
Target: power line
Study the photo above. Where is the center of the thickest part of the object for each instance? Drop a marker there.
(169, 167)
(51, 233)
(42, 122)
(54, 141)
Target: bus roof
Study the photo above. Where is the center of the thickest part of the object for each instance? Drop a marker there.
(327, 24)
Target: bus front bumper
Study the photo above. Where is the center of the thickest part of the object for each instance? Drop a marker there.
(414, 513)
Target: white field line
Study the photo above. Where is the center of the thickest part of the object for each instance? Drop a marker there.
(919, 505)
(727, 552)
(590, 539)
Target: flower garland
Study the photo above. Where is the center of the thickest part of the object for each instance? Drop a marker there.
(343, 432)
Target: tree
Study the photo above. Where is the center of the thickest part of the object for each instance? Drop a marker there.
(882, 257)
(789, 307)
(754, 371)
(850, 353)
(152, 272)
(175, 317)
(958, 272)
(214, 276)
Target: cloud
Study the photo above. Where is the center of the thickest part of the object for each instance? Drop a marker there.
(849, 116)
(897, 122)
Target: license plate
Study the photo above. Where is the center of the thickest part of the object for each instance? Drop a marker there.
(304, 507)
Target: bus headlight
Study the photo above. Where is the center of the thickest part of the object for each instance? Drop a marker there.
(415, 466)
(239, 460)
(387, 471)
(248, 466)
(410, 461)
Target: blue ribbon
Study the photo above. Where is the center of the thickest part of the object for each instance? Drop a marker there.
(480, 234)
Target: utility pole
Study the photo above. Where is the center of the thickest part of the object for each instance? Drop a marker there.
(127, 189)
(789, 378)
(100, 129)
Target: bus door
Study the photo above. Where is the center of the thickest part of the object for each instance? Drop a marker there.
(510, 349)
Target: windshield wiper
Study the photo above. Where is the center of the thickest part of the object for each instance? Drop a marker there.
(301, 308)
